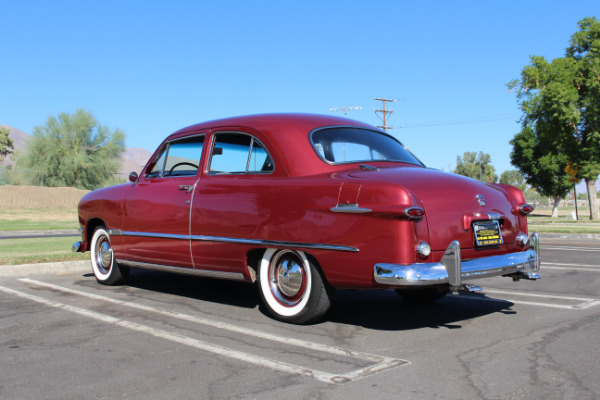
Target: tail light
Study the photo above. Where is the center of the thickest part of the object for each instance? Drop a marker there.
(414, 212)
(526, 209)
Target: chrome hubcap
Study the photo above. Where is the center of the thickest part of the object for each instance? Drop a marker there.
(104, 255)
(290, 277)
(287, 277)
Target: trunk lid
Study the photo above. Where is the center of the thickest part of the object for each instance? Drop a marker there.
(452, 203)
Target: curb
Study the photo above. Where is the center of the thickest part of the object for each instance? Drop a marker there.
(63, 267)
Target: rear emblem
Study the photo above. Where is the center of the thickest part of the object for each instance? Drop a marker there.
(480, 199)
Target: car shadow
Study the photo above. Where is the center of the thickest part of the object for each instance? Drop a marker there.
(386, 310)
(372, 309)
(237, 294)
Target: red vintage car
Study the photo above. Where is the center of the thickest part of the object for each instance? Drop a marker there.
(302, 204)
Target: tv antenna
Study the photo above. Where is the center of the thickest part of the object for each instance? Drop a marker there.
(345, 109)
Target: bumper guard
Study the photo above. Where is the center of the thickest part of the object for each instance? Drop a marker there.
(452, 270)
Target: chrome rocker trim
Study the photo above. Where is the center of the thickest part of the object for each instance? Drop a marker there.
(236, 276)
(452, 270)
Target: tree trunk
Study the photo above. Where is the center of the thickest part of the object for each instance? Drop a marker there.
(555, 208)
(593, 199)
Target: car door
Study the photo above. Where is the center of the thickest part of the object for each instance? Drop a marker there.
(228, 207)
(157, 209)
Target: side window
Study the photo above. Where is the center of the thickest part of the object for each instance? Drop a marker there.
(238, 153)
(178, 158)
(158, 164)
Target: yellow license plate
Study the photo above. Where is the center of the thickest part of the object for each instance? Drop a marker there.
(487, 233)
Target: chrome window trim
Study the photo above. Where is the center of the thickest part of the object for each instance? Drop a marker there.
(312, 143)
(252, 140)
(168, 145)
(236, 276)
(254, 242)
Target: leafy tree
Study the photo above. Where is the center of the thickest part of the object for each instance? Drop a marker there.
(541, 165)
(74, 150)
(476, 166)
(560, 101)
(515, 178)
(6, 143)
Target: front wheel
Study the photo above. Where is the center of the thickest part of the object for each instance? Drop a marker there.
(106, 270)
(292, 288)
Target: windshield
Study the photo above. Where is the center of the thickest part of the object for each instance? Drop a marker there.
(350, 145)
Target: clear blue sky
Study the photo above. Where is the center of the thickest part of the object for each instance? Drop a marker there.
(150, 68)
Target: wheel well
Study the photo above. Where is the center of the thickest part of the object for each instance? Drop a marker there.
(254, 257)
(252, 260)
(91, 227)
(319, 269)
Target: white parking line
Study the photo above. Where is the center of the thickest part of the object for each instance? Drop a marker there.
(569, 248)
(571, 267)
(380, 363)
(582, 302)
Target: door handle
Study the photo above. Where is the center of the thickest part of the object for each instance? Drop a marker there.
(187, 188)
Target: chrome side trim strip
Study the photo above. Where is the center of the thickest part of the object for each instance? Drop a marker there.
(236, 276)
(253, 242)
(274, 243)
(350, 208)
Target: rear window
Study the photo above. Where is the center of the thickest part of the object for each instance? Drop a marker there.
(350, 145)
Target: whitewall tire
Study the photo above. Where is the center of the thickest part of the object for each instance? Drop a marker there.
(292, 288)
(106, 270)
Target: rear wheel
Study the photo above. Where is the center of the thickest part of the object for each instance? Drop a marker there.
(292, 288)
(423, 295)
(106, 270)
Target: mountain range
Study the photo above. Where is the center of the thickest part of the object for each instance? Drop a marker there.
(132, 159)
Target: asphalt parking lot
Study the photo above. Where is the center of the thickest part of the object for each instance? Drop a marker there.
(62, 336)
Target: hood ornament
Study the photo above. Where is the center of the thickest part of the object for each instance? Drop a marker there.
(480, 199)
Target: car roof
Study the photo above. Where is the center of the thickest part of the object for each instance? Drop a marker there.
(286, 133)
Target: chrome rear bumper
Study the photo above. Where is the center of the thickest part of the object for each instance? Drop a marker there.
(452, 270)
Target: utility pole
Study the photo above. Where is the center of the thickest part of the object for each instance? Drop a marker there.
(385, 112)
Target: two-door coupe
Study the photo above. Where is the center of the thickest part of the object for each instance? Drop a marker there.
(302, 204)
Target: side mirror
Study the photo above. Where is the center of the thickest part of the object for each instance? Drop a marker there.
(133, 177)
(217, 151)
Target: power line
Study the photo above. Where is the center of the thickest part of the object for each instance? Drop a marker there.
(462, 122)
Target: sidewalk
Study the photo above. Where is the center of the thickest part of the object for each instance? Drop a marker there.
(62, 267)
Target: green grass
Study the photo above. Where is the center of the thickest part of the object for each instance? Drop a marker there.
(566, 228)
(38, 219)
(38, 250)
(27, 225)
(542, 223)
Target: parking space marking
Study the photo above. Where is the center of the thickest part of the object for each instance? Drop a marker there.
(379, 363)
(280, 366)
(571, 267)
(569, 248)
(581, 302)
